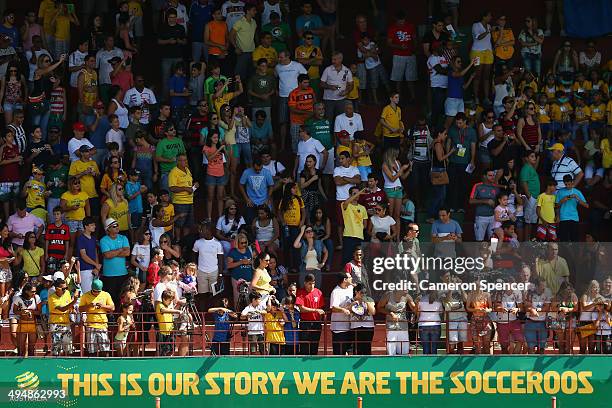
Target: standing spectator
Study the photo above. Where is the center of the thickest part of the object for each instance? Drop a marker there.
(349, 121)
(462, 162)
(287, 72)
(321, 130)
(61, 33)
(434, 38)
(309, 146)
(140, 96)
(121, 76)
(393, 174)
(547, 217)
(311, 303)
(503, 42)
(166, 153)
(13, 92)
(301, 106)
(210, 261)
(171, 40)
(340, 301)
(8, 29)
(57, 237)
(564, 165)
(30, 29)
(10, 160)
(401, 38)
(281, 32)
(87, 251)
(87, 87)
(430, 325)
(361, 28)
(567, 202)
(103, 57)
(61, 305)
(311, 57)
(22, 222)
(216, 39)
(183, 189)
(530, 188)
(32, 53)
(483, 51)
(200, 13)
(337, 83)
(115, 249)
(265, 51)
(261, 88)
(345, 176)
(531, 39)
(354, 219)
(97, 304)
(309, 22)
(537, 306)
(256, 188)
(242, 37)
(456, 87)
(391, 122)
(483, 197)
(232, 11)
(438, 165)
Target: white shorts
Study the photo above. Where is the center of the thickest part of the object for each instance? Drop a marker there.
(205, 281)
(531, 216)
(329, 166)
(404, 68)
(398, 343)
(457, 331)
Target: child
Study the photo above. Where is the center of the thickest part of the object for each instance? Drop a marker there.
(291, 327)
(164, 313)
(125, 322)
(35, 192)
(407, 213)
(361, 155)
(179, 93)
(529, 81)
(567, 201)
(502, 213)
(598, 112)
(157, 256)
(211, 82)
(61, 31)
(582, 113)
(561, 112)
(196, 84)
(223, 332)
(187, 281)
(115, 134)
(550, 88)
(57, 105)
(544, 116)
(581, 85)
(220, 96)
(134, 191)
(168, 207)
(547, 219)
(254, 313)
(142, 160)
(274, 322)
(515, 206)
(376, 73)
(354, 96)
(598, 85)
(57, 236)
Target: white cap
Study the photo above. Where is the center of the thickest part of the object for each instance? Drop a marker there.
(109, 222)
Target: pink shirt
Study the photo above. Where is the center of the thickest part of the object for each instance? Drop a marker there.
(23, 225)
(35, 29)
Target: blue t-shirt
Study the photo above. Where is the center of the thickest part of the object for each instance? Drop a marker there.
(408, 207)
(259, 134)
(309, 23)
(134, 205)
(257, 184)
(60, 149)
(178, 85)
(89, 245)
(455, 87)
(568, 211)
(452, 227)
(114, 266)
(222, 328)
(292, 334)
(13, 33)
(243, 271)
(199, 16)
(98, 136)
(44, 297)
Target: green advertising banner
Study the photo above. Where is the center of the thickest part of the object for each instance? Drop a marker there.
(420, 381)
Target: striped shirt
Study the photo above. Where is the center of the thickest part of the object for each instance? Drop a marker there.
(563, 166)
(57, 101)
(20, 137)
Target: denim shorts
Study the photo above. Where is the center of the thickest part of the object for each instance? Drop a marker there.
(184, 209)
(364, 171)
(452, 106)
(135, 220)
(216, 180)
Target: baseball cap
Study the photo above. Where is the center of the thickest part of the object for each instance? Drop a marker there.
(344, 133)
(78, 126)
(84, 149)
(97, 284)
(99, 104)
(49, 278)
(557, 146)
(109, 223)
(58, 275)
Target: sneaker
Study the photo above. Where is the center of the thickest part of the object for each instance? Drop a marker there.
(547, 33)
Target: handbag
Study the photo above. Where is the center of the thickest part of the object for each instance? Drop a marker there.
(439, 178)
(37, 103)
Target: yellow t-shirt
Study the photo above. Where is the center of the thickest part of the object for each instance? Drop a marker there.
(79, 199)
(88, 183)
(393, 117)
(96, 317)
(602, 87)
(546, 202)
(362, 160)
(135, 8)
(36, 194)
(583, 113)
(543, 113)
(273, 323)
(609, 112)
(164, 320)
(120, 213)
(245, 32)
(180, 178)
(304, 52)
(561, 113)
(168, 215)
(56, 316)
(549, 91)
(353, 217)
(62, 28)
(342, 148)
(293, 214)
(533, 85)
(504, 52)
(582, 87)
(31, 260)
(107, 181)
(354, 94)
(606, 153)
(269, 54)
(598, 112)
(46, 11)
(222, 100)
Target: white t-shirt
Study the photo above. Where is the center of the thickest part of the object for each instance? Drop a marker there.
(232, 11)
(273, 166)
(268, 9)
(76, 59)
(485, 43)
(333, 77)
(351, 125)
(74, 144)
(33, 67)
(104, 68)
(381, 225)
(142, 254)
(135, 98)
(115, 136)
(538, 302)
(310, 146)
(182, 16)
(287, 77)
(429, 313)
(256, 320)
(340, 298)
(225, 228)
(207, 250)
(436, 79)
(342, 192)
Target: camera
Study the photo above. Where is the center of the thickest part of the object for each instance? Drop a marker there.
(274, 301)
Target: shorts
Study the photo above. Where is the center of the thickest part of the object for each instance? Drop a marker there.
(97, 340)
(165, 344)
(377, 76)
(9, 190)
(362, 75)
(216, 180)
(6, 275)
(457, 331)
(283, 109)
(531, 216)
(205, 281)
(486, 56)
(61, 339)
(452, 106)
(546, 232)
(364, 171)
(256, 343)
(135, 220)
(329, 166)
(180, 209)
(395, 192)
(511, 331)
(10, 107)
(75, 225)
(404, 68)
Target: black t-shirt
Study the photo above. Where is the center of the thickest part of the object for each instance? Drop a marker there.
(44, 153)
(434, 42)
(498, 162)
(157, 128)
(171, 50)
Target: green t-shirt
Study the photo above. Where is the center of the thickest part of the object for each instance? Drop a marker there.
(261, 84)
(169, 149)
(530, 176)
(280, 35)
(322, 131)
(462, 142)
(57, 176)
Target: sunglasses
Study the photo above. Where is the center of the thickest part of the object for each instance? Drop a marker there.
(147, 234)
(202, 106)
(309, 38)
(243, 242)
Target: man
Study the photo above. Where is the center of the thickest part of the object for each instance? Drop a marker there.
(134, 126)
(8, 28)
(483, 196)
(287, 72)
(310, 22)
(301, 105)
(345, 177)
(171, 40)
(437, 65)
(276, 169)
(210, 263)
(183, 188)
(140, 96)
(97, 303)
(261, 88)
(16, 126)
(56, 180)
(564, 165)
(340, 301)
(32, 56)
(311, 302)
(256, 185)
(76, 63)
(354, 219)
(103, 56)
(349, 120)
(86, 170)
(445, 234)
(463, 139)
(281, 32)
(57, 237)
(200, 13)
(166, 153)
(77, 141)
(115, 248)
(232, 11)
(160, 123)
(98, 125)
(500, 149)
(61, 304)
(242, 37)
(309, 146)
(265, 51)
(23, 222)
(372, 196)
(401, 38)
(568, 199)
(336, 82)
(321, 130)
(530, 187)
(87, 250)
(311, 57)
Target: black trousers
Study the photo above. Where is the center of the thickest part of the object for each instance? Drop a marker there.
(363, 340)
(568, 231)
(342, 342)
(457, 187)
(310, 334)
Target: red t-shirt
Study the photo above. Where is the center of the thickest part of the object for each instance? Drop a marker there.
(58, 238)
(10, 172)
(370, 200)
(312, 300)
(153, 274)
(402, 35)
(124, 80)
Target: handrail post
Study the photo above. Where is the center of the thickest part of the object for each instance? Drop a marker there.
(157, 402)
(554, 402)
(360, 402)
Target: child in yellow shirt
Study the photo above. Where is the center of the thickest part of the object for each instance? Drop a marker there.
(581, 85)
(582, 114)
(598, 111)
(361, 156)
(561, 111)
(598, 84)
(61, 32)
(547, 219)
(354, 94)
(550, 88)
(543, 109)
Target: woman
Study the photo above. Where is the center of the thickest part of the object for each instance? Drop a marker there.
(321, 225)
(393, 173)
(141, 255)
(260, 281)
(311, 186)
(479, 305)
(267, 231)
(239, 263)
(33, 257)
(75, 206)
(228, 225)
(396, 305)
(381, 226)
(291, 217)
(213, 126)
(158, 225)
(485, 135)
(116, 206)
(456, 87)
(565, 303)
(588, 304)
(508, 174)
(528, 130)
(565, 63)
(27, 306)
(13, 92)
(438, 164)
(39, 98)
(172, 251)
(356, 268)
(428, 308)
(117, 107)
(216, 177)
(483, 50)
(531, 39)
(361, 320)
(589, 59)
(113, 173)
(280, 279)
(229, 127)
(7, 257)
(313, 254)
(508, 304)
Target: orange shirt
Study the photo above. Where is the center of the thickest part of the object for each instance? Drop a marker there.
(302, 99)
(217, 31)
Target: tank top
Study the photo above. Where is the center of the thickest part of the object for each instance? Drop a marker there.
(319, 230)
(435, 163)
(530, 133)
(10, 172)
(310, 260)
(268, 9)
(455, 87)
(90, 83)
(588, 315)
(486, 130)
(119, 212)
(263, 282)
(264, 233)
(156, 232)
(13, 92)
(122, 114)
(388, 182)
(217, 31)
(421, 145)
